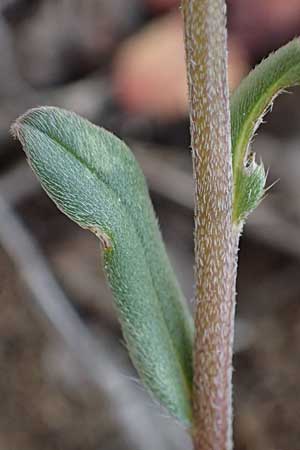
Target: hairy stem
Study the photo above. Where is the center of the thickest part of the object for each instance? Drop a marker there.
(216, 240)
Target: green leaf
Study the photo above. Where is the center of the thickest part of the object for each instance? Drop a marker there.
(249, 103)
(94, 179)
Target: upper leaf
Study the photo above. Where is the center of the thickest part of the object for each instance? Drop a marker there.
(94, 179)
(249, 103)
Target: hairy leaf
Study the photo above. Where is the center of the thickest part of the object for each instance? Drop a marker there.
(249, 103)
(94, 179)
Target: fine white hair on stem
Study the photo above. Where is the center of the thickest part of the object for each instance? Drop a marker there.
(216, 241)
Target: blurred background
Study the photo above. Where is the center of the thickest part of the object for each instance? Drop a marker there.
(66, 381)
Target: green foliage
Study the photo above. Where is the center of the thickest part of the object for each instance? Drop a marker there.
(94, 179)
(249, 103)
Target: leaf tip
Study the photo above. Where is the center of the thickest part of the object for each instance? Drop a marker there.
(17, 128)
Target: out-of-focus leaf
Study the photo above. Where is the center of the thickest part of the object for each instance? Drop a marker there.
(249, 103)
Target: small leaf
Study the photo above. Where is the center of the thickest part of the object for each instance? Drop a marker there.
(250, 185)
(94, 179)
(249, 103)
